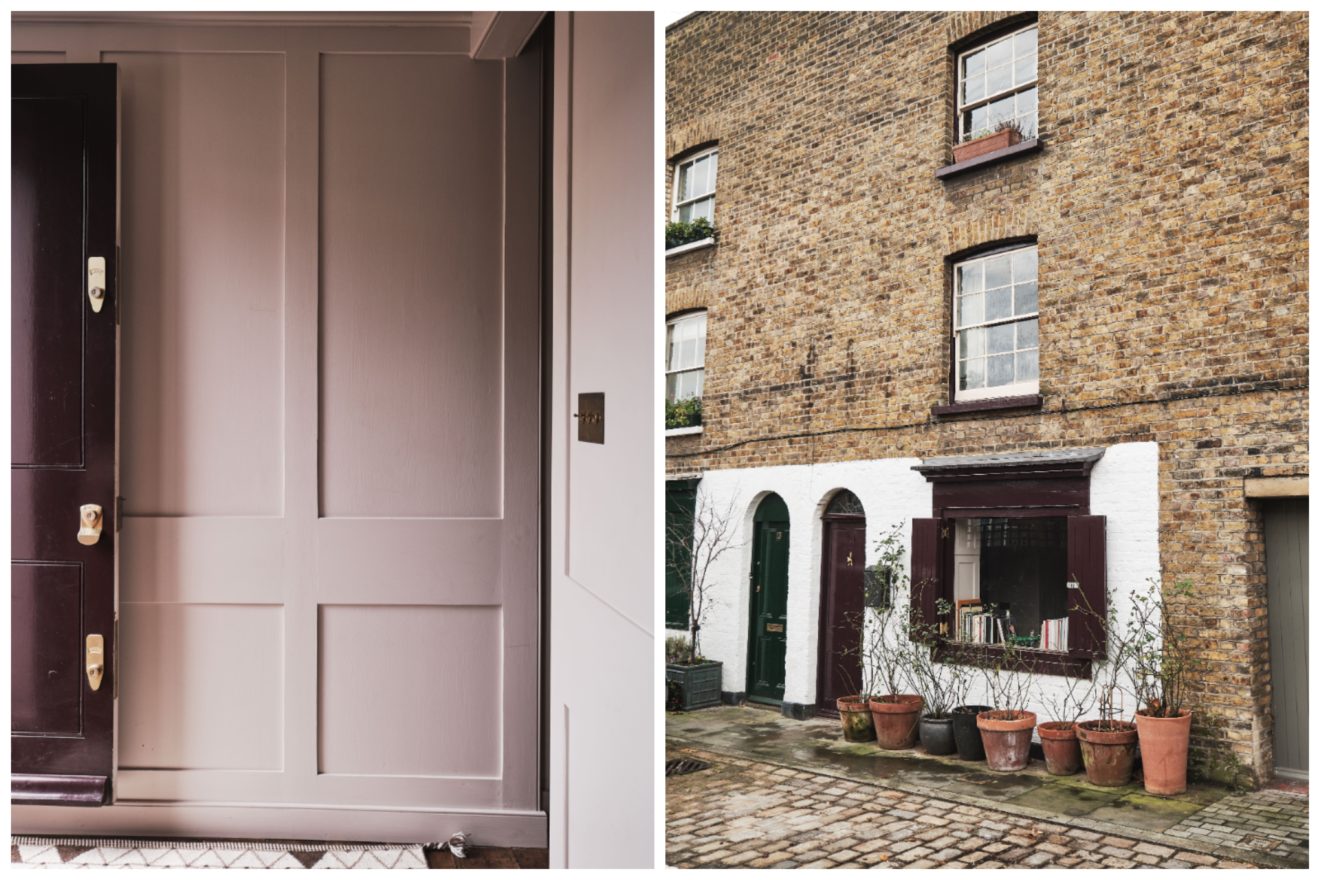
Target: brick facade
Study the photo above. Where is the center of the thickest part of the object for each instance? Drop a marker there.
(1169, 205)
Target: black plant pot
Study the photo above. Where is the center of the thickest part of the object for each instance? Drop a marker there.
(937, 735)
(965, 733)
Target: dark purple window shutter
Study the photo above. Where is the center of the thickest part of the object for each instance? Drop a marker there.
(1086, 566)
(926, 558)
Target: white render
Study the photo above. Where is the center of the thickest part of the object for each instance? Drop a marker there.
(1124, 489)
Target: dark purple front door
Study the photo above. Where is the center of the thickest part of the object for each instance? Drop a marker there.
(62, 215)
(839, 667)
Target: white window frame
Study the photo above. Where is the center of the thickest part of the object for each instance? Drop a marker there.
(1013, 389)
(675, 203)
(672, 322)
(962, 108)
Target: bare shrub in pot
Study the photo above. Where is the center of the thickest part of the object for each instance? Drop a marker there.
(942, 686)
(1160, 665)
(692, 681)
(1058, 737)
(1006, 729)
(888, 649)
(1109, 743)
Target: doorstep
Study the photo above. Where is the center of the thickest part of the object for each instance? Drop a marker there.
(1266, 827)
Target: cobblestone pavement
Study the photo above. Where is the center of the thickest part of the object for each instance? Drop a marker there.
(1271, 822)
(746, 813)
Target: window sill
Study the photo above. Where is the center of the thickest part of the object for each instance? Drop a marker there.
(1034, 145)
(1072, 665)
(683, 432)
(690, 247)
(989, 404)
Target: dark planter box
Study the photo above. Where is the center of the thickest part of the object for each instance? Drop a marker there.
(699, 685)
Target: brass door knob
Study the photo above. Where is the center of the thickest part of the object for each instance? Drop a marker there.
(90, 517)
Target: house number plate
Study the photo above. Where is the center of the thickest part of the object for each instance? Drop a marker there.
(774, 627)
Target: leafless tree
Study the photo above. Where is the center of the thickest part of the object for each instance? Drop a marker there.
(691, 555)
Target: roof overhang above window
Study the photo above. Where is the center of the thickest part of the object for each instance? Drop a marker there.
(1036, 465)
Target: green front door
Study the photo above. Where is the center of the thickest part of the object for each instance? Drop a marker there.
(768, 639)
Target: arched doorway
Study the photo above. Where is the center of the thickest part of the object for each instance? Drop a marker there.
(842, 584)
(768, 617)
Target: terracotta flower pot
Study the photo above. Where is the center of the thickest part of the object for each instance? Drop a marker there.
(895, 717)
(1108, 754)
(937, 735)
(1164, 752)
(1063, 753)
(1006, 734)
(965, 733)
(987, 144)
(855, 718)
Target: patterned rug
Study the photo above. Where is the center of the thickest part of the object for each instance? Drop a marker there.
(91, 852)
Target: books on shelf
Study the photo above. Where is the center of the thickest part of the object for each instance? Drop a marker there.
(980, 624)
(1054, 634)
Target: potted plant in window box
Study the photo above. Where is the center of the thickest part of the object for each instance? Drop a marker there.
(942, 686)
(888, 651)
(1161, 661)
(978, 143)
(679, 233)
(694, 680)
(1006, 729)
(685, 413)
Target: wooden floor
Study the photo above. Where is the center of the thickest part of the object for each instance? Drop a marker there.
(490, 857)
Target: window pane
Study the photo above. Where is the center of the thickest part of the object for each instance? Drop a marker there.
(704, 208)
(971, 343)
(1000, 111)
(1024, 298)
(698, 382)
(1025, 43)
(714, 166)
(976, 121)
(1028, 125)
(1028, 335)
(973, 88)
(970, 278)
(1024, 570)
(996, 271)
(1024, 70)
(685, 214)
(974, 64)
(685, 181)
(998, 303)
(699, 173)
(1024, 265)
(671, 386)
(1027, 365)
(971, 373)
(1000, 338)
(1026, 101)
(998, 78)
(1000, 370)
(971, 310)
(999, 53)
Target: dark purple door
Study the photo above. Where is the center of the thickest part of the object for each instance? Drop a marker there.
(63, 219)
(839, 668)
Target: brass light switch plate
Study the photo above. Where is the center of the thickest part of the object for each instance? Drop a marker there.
(591, 417)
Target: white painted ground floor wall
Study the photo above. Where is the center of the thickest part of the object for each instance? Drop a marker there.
(1124, 489)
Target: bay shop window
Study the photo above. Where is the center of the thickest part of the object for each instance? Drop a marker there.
(1012, 549)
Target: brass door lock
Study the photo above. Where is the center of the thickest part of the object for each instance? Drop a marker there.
(95, 660)
(90, 518)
